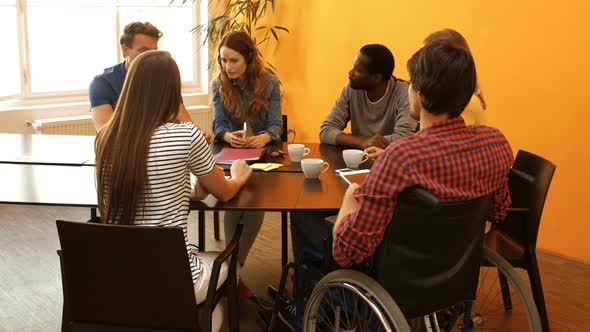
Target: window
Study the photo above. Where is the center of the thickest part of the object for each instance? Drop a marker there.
(54, 48)
(10, 84)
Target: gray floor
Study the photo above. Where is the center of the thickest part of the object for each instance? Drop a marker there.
(30, 287)
(30, 284)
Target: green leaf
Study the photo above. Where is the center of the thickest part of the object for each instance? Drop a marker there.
(270, 65)
(274, 33)
(261, 27)
(281, 28)
(262, 42)
(223, 26)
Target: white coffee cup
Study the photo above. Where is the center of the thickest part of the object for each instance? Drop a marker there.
(312, 168)
(353, 158)
(297, 152)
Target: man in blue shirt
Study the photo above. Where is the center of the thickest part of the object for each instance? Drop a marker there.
(105, 88)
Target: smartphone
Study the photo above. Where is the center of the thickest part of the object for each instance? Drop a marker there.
(338, 171)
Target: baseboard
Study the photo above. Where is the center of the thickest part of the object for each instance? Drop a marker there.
(572, 259)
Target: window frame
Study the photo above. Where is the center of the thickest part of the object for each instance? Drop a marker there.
(195, 90)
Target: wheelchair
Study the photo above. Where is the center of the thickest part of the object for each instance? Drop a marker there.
(430, 273)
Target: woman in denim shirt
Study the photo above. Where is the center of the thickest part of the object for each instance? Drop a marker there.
(244, 91)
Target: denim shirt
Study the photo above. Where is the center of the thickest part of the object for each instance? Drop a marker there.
(270, 120)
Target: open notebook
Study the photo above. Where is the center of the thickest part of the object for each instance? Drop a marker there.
(357, 176)
(228, 155)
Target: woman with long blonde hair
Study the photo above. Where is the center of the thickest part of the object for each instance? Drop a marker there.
(474, 112)
(244, 92)
(144, 158)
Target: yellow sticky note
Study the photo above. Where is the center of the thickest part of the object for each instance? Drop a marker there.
(259, 166)
(265, 166)
(272, 166)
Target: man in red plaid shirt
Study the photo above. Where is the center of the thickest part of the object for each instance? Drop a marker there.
(447, 158)
(453, 161)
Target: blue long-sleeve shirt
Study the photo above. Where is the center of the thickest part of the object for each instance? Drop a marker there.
(270, 120)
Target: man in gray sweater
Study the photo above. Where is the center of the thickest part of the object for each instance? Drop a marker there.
(374, 101)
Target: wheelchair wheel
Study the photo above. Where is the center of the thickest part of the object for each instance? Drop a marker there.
(503, 301)
(347, 300)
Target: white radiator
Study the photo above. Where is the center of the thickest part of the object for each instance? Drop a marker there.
(202, 116)
(82, 125)
(73, 125)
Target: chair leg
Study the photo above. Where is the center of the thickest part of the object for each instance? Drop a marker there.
(94, 216)
(467, 319)
(66, 314)
(201, 223)
(232, 303)
(284, 238)
(537, 289)
(216, 224)
(505, 291)
(280, 301)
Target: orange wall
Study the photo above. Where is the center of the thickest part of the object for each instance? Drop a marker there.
(530, 56)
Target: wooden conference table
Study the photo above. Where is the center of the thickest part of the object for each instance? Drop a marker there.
(59, 170)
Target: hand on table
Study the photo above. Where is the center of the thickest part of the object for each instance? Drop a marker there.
(374, 152)
(240, 171)
(258, 141)
(235, 139)
(378, 141)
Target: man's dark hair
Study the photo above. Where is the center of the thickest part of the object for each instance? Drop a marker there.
(381, 60)
(133, 28)
(445, 76)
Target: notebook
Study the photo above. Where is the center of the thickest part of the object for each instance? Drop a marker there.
(358, 176)
(228, 155)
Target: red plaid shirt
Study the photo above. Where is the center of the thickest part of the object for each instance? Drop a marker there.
(450, 160)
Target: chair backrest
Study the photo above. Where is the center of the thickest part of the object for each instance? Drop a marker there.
(430, 255)
(529, 183)
(126, 276)
(285, 133)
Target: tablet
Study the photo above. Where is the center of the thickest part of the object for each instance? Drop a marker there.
(357, 176)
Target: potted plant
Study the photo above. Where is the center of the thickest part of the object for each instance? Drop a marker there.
(245, 15)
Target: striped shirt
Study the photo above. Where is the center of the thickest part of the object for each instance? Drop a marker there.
(175, 150)
(452, 161)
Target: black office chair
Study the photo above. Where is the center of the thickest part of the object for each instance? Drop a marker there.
(137, 278)
(284, 138)
(515, 238)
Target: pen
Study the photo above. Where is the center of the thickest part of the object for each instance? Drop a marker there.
(245, 129)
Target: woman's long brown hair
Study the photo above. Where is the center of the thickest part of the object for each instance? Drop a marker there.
(241, 42)
(150, 98)
(458, 39)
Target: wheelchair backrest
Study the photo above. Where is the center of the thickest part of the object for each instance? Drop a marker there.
(430, 256)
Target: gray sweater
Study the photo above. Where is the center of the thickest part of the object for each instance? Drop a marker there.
(389, 116)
